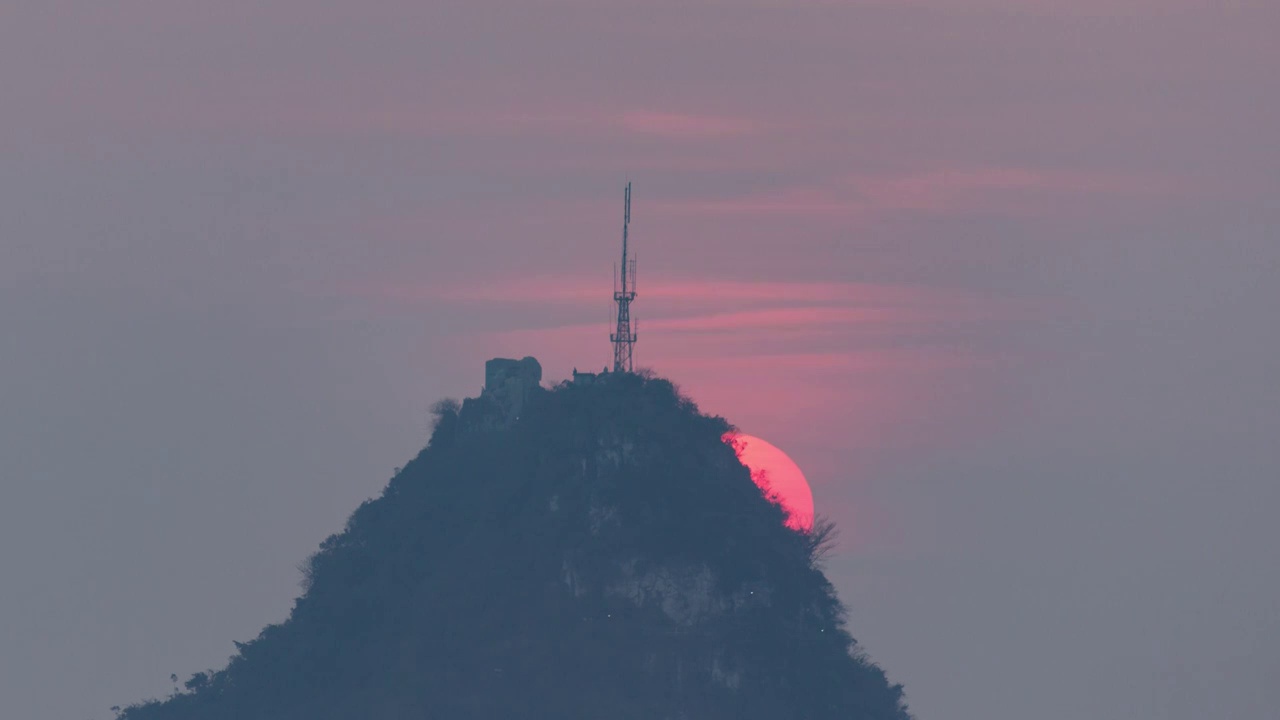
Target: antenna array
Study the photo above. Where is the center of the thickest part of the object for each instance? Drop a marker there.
(624, 336)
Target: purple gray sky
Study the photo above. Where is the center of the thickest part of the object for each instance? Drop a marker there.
(1001, 276)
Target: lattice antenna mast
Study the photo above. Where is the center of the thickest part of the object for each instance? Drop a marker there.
(624, 292)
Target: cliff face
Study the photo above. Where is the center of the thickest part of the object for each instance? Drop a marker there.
(604, 556)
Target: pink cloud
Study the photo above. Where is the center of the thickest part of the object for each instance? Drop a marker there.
(990, 189)
(807, 201)
(686, 126)
(869, 360)
(690, 305)
(771, 331)
(794, 318)
(557, 288)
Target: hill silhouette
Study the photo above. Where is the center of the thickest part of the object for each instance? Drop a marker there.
(603, 555)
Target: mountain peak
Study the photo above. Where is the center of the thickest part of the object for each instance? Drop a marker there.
(593, 550)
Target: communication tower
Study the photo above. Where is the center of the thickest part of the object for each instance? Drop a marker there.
(624, 291)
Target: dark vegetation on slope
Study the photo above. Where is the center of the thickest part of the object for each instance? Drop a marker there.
(605, 556)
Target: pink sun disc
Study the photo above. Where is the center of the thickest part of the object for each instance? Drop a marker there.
(778, 476)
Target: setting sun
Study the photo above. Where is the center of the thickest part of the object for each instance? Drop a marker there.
(778, 477)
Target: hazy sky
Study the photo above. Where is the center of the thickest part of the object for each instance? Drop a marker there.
(1000, 275)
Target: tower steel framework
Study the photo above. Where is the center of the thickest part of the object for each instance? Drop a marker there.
(624, 292)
